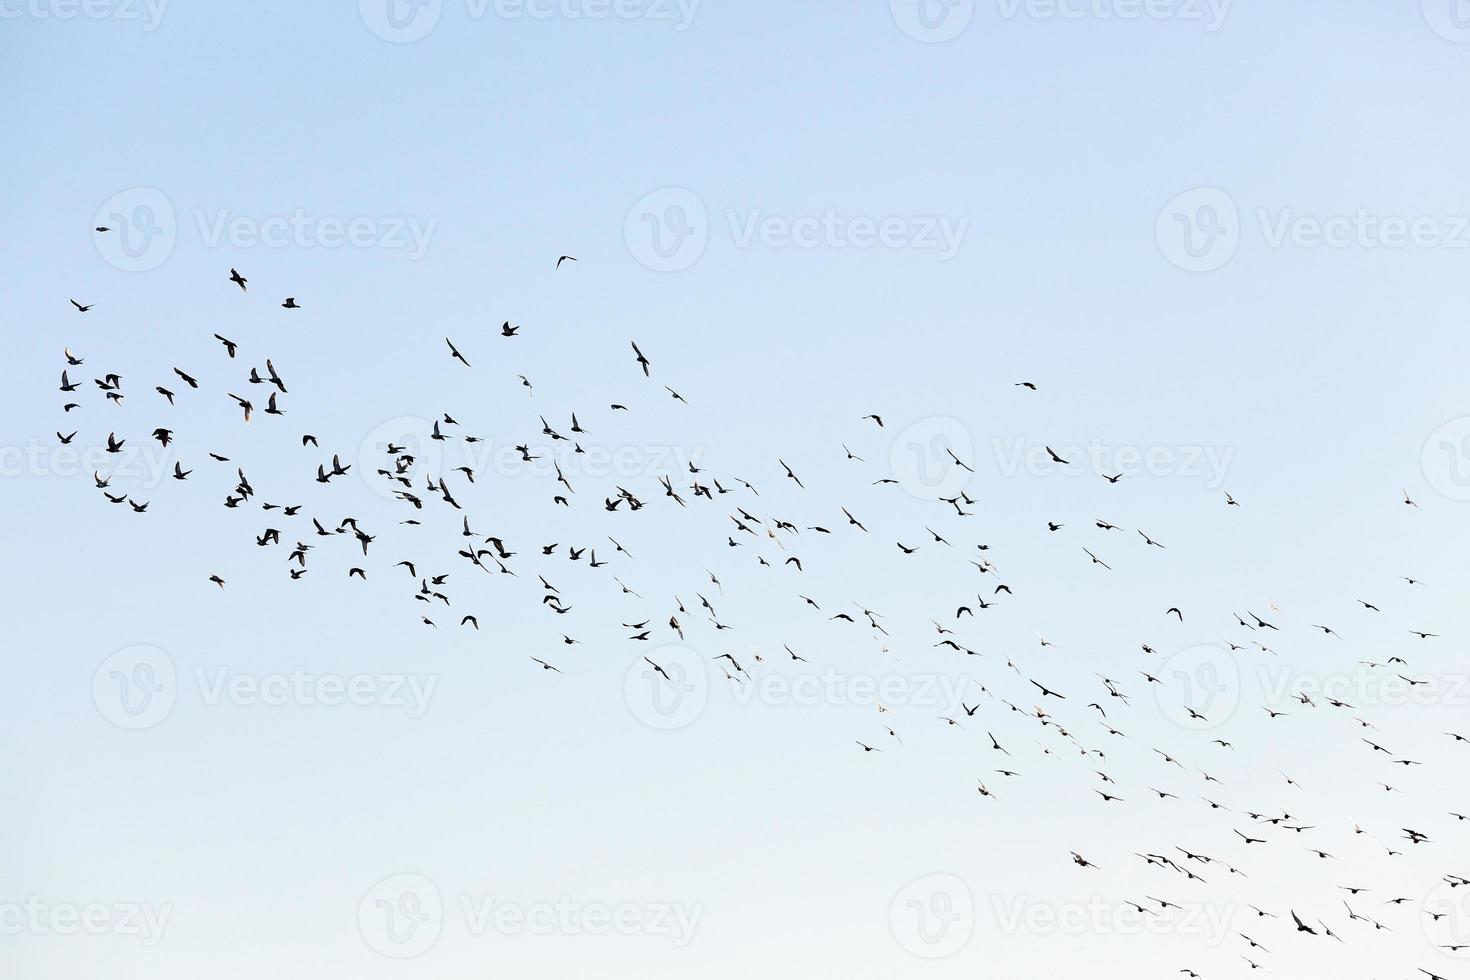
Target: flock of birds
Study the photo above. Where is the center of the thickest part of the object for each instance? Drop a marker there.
(1066, 716)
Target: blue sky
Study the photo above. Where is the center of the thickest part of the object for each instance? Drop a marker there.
(1227, 242)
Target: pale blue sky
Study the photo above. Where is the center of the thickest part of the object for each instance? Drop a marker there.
(1305, 379)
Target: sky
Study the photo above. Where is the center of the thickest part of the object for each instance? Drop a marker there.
(1227, 243)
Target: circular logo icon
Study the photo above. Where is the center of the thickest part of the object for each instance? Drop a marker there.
(928, 458)
(135, 688)
(933, 916)
(1445, 458)
(1200, 687)
(667, 230)
(932, 21)
(668, 689)
(1199, 230)
(135, 230)
(1450, 19)
(400, 21)
(401, 916)
(1446, 918)
(404, 447)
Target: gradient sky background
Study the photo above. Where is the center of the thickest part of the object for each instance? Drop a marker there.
(1321, 381)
